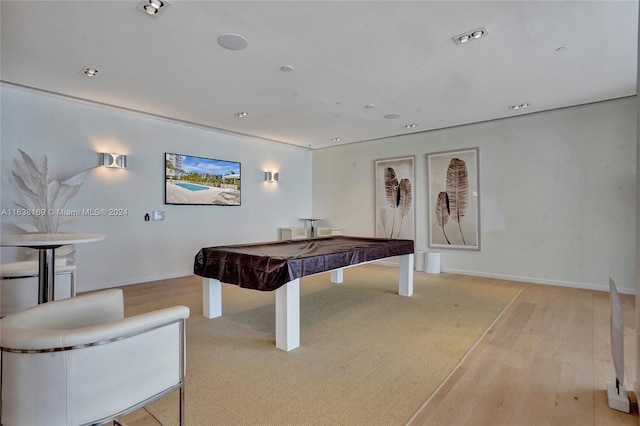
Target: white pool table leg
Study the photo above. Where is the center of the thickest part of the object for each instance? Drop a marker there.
(288, 315)
(211, 298)
(337, 276)
(405, 275)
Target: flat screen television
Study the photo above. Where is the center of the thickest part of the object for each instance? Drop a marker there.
(202, 181)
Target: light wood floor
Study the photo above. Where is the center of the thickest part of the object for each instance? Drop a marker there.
(545, 361)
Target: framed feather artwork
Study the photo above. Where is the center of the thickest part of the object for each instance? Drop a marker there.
(395, 206)
(454, 199)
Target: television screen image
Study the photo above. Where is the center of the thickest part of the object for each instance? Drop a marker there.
(201, 181)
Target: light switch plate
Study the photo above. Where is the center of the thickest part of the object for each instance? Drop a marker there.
(158, 215)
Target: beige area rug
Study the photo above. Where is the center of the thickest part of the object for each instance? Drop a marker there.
(367, 355)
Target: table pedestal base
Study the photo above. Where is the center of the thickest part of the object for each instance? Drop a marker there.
(211, 298)
(337, 276)
(288, 315)
(46, 274)
(46, 245)
(405, 278)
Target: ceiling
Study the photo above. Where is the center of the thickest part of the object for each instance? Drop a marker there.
(354, 62)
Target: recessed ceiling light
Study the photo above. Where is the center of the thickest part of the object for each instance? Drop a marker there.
(286, 68)
(519, 106)
(470, 35)
(233, 42)
(152, 7)
(562, 48)
(410, 126)
(369, 106)
(90, 72)
(392, 116)
(336, 139)
(242, 114)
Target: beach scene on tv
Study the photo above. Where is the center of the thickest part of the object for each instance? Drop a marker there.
(197, 180)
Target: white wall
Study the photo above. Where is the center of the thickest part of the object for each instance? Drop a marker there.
(557, 190)
(70, 134)
(557, 193)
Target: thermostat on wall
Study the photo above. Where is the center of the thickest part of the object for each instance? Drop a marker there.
(158, 215)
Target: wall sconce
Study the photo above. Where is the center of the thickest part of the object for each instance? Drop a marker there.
(271, 176)
(113, 160)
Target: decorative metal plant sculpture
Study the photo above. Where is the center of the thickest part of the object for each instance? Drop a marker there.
(42, 197)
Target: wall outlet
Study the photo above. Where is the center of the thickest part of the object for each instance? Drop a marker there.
(158, 215)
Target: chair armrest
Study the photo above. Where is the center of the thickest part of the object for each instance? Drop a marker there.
(82, 311)
(124, 328)
(15, 337)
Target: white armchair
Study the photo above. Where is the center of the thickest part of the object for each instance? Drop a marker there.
(293, 233)
(19, 284)
(325, 231)
(79, 361)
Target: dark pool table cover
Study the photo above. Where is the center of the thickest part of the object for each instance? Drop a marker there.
(268, 266)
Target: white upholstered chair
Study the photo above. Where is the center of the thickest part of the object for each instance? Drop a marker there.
(79, 361)
(326, 231)
(19, 284)
(293, 233)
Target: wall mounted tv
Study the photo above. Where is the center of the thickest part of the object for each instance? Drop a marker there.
(201, 181)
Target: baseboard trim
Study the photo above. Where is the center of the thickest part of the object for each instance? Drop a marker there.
(584, 286)
(557, 283)
(138, 280)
